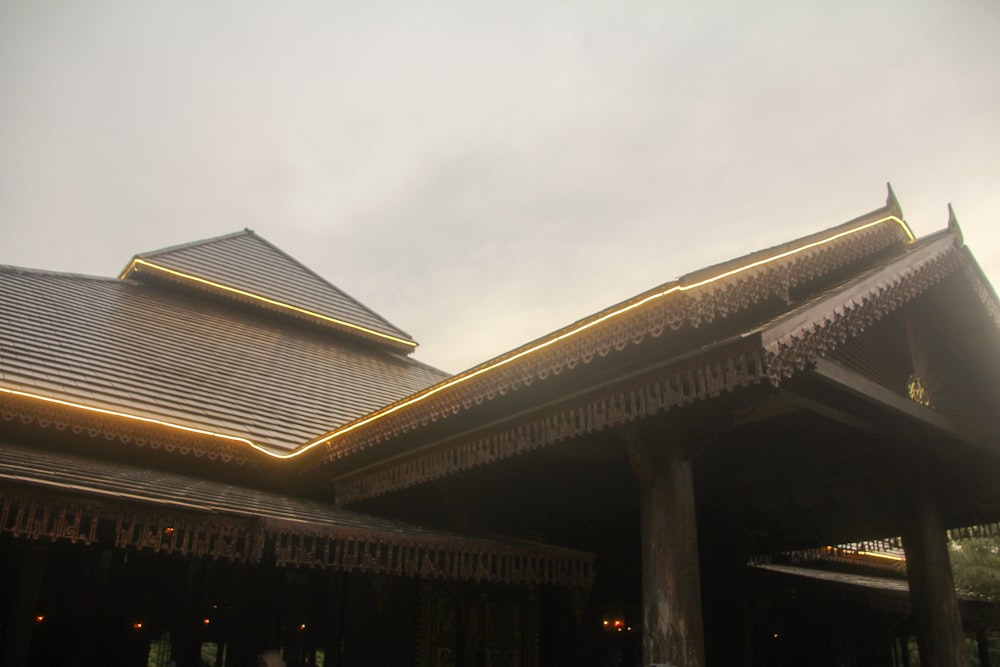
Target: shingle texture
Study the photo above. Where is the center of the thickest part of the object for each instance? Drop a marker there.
(247, 262)
(156, 350)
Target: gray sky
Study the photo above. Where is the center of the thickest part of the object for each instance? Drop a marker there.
(481, 173)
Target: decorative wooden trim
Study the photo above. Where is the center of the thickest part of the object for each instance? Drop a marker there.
(226, 538)
(695, 380)
(38, 516)
(698, 307)
(796, 351)
(694, 301)
(974, 532)
(32, 515)
(984, 292)
(677, 385)
(428, 557)
(47, 415)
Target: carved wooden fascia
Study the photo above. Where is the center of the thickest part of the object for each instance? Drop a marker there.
(793, 342)
(39, 516)
(737, 365)
(116, 430)
(691, 309)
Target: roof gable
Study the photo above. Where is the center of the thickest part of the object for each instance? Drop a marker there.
(244, 267)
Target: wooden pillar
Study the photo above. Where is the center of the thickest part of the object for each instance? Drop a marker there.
(932, 588)
(671, 591)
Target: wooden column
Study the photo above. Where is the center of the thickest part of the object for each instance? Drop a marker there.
(932, 588)
(671, 591)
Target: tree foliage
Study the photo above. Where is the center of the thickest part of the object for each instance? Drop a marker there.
(975, 563)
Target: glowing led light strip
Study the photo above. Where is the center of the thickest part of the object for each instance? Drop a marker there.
(448, 384)
(137, 418)
(875, 554)
(264, 299)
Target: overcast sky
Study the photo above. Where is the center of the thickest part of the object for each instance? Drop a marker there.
(481, 173)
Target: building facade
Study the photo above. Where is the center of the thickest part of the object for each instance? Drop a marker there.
(219, 452)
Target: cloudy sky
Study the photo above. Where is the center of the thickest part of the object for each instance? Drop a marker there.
(484, 172)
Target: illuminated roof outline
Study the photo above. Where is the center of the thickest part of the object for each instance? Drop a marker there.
(245, 267)
(715, 276)
(168, 356)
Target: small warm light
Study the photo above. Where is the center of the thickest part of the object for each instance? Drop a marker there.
(137, 625)
(775, 635)
(168, 531)
(618, 624)
(206, 621)
(917, 391)
(607, 623)
(302, 626)
(39, 618)
(629, 628)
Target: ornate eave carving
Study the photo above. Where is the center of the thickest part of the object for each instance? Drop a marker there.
(739, 366)
(428, 557)
(797, 350)
(41, 516)
(49, 415)
(723, 369)
(655, 316)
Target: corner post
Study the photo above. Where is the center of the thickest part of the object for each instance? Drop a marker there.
(672, 631)
(932, 587)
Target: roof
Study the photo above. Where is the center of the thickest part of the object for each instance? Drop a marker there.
(245, 267)
(328, 400)
(690, 302)
(200, 517)
(163, 354)
(759, 320)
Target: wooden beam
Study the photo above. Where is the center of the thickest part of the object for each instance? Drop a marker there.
(672, 632)
(895, 404)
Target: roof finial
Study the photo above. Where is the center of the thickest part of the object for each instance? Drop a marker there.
(892, 203)
(953, 224)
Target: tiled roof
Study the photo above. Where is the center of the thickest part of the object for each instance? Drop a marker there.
(246, 267)
(693, 301)
(159, 352)
(93, 478)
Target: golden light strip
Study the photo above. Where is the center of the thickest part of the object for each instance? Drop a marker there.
(875, 554)
(459, 379)
(137, 418)
(264, 299)
(587, 325)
